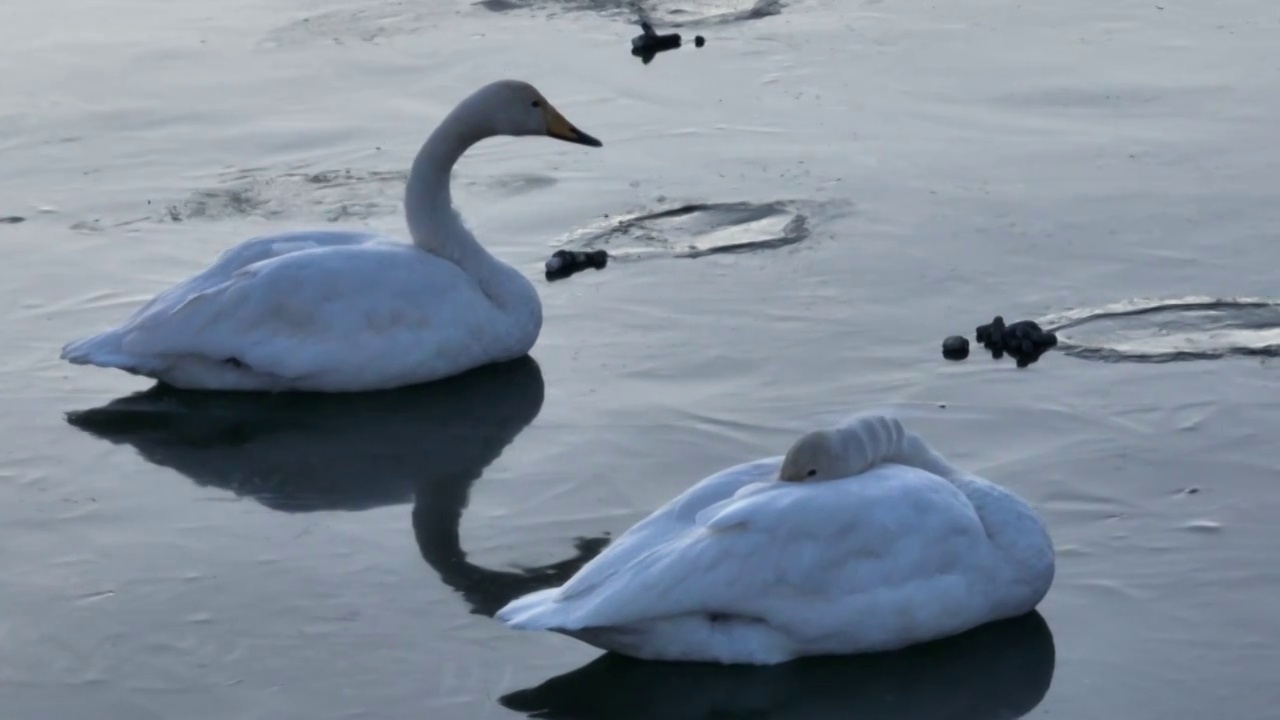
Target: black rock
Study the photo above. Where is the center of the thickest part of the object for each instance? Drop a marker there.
(12, 219)
(955, 347)
(564, 263)
(699, 41)
(989, 335)
(649, 43)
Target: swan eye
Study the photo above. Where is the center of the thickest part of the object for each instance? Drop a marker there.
(811, 473)
(537, 103)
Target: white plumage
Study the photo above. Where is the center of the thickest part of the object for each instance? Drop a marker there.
(342, 311)
(746, 568)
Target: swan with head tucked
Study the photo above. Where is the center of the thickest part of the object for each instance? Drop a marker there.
(346, 311)
(860, 539)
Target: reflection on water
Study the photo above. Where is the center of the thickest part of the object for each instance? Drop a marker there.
(1001, 670)
(1169, 331)
(437, 515)
(299, 452)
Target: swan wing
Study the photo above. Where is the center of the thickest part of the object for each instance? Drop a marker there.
(240, 256)
(798, 556)
(358, 311)
(673, 518)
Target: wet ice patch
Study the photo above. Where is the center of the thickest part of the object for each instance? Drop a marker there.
(329, 195)
(1170, 330)
(667, 13)
(372, 22)
(337, 195)
(696, 230)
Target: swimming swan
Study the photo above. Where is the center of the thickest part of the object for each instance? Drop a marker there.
(349, 310)
(860, 539)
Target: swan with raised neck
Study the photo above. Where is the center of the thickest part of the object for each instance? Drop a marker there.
(350, 310)
(504, 107)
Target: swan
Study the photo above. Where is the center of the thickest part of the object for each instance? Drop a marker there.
(860, 539)
(350, 310)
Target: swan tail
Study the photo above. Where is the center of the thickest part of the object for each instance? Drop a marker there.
(103, 350)
(536, 611)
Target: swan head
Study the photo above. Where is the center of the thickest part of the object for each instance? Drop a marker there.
(817, 455)
(514, 107)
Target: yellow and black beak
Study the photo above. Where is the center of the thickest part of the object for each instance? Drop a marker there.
(561, 129)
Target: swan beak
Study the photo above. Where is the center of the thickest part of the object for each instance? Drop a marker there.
(561, 129)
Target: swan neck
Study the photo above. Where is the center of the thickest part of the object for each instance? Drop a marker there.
(871, 439)
(433, 222)
(914, 451)
(437, 228)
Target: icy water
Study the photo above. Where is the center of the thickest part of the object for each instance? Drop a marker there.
(800, 211)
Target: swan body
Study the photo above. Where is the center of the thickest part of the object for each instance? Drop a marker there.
(884, 546)
(348, 311)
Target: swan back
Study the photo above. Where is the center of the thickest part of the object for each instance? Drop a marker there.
(745, 568)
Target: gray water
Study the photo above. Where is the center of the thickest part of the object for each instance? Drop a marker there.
(881, 174)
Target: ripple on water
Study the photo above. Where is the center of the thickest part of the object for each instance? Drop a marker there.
(668, 13)
(1193, 328)
(696, 230)
(336, 195)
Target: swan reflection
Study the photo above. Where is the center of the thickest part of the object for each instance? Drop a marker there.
(1001, 670)
(301, 452)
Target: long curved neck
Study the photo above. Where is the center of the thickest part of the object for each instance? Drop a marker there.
(437, 228)
(870, 439)
(428, 205)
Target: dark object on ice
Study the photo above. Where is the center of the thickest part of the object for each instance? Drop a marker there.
(12, 219)
(648, 44)
(955, 347)
(1024, 340)
(564, 263)
(699, 41)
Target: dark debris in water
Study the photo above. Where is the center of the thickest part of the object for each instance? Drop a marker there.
(649, 43)
(564, 263)
(1024, 341)
(955, 347)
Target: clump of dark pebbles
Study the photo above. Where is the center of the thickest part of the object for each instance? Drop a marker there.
(1024, 341)
(564, 263)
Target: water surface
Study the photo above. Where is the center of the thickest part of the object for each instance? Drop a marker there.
(214, 557)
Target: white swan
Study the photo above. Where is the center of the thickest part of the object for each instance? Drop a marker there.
(860, 539)
(345, 311)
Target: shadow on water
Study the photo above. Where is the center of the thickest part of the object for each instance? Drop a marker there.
(1157, 331)
(303, 452)
(1002, 670)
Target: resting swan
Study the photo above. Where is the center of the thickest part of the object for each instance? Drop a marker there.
(860, 539)
(349, 310)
